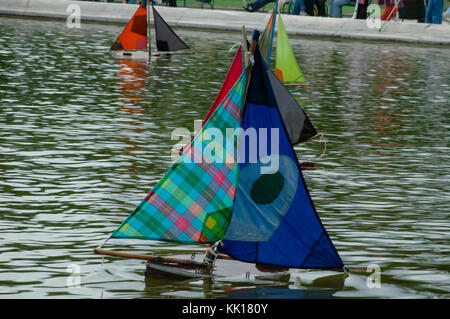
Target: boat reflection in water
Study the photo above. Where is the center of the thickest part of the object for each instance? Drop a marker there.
(251, 288)
(234, 279)
(131, 80)
(279, 293)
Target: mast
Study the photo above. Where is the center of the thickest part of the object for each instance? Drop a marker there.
(273, 31)
(255, 38)
(149, 34)
(245, 47)
(355, 13)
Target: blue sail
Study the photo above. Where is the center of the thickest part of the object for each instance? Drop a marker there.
(273, 220)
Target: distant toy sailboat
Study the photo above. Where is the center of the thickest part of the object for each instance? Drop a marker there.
(219, 192)
(286, 66)
(135, 39)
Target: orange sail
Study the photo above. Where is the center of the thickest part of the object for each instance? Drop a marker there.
(134, 36)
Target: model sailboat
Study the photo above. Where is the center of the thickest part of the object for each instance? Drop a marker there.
(224, 192)
(135, 39)
(286, 66)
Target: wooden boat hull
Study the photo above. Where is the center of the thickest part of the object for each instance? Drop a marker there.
(143, 54)
(188, 265)
(224, 267)
(132, 54)
(296, 84)
(161, 54)
(162, 271)
(231, 270)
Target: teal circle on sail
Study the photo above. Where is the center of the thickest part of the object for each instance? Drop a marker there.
(266, 188)
(262, 200)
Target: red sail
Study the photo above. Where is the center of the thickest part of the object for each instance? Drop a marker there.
(134, 36)
(233, 75)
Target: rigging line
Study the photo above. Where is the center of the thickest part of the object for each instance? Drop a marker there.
(274, 21)
(324, 141)
(101, 245)
(234, 46)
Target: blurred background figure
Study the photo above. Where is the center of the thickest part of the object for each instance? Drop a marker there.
(446, 15)
(390, 5)
(126, 1)
(434, 11)
(299, 6)
(256, 5)
(336, 7)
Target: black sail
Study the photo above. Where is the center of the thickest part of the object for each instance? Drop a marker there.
(166, 38)
(298, 125)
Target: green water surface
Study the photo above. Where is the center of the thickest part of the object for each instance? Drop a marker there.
(84, 136)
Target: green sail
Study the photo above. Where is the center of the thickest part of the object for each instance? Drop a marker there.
(286, 66)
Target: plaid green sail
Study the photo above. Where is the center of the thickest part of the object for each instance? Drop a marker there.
(194, 200)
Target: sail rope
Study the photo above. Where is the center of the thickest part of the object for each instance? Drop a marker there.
(101, 245)
(324, 141)
(247, 55)
(234, 46)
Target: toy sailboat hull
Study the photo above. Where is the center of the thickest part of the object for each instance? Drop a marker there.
(132, 54)
(296, 84)
(143, 54)
(224, 267)
(162, 53)
(229, 269)
(155, 270)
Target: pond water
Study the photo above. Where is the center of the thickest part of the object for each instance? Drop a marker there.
(84, 136)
